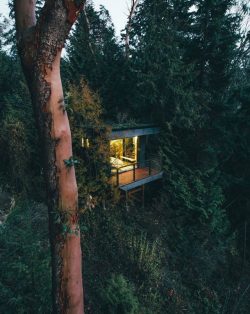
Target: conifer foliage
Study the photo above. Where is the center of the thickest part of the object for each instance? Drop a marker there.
(186, 69)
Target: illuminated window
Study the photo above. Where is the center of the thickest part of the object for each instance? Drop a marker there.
(85, 142)
(123, 151)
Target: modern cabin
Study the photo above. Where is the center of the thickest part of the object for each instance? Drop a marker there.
(132, 156)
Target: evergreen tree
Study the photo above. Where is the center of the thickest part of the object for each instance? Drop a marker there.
(187, 249)
(25, 260)
(163, 81)
(20, 164)
(212, 46)
(93, 54)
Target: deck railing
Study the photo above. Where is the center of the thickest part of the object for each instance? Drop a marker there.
(136, 171)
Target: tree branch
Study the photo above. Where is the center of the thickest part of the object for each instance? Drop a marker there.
(132, 9)
(53, 26)
(25, 15)
(88, 29)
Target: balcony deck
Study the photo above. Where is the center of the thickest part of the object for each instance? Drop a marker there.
(138, 176)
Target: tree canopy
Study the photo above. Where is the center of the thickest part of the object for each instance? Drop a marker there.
(187, 70)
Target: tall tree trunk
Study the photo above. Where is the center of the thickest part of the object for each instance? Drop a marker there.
(40, 44)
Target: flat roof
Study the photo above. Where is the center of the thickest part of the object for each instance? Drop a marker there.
(125, 126)
(132, 131)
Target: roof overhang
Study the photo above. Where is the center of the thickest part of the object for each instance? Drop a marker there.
(132, 132)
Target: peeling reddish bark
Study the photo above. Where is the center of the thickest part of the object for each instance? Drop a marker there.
(39, 45)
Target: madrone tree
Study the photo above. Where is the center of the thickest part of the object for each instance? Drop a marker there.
(40, 42)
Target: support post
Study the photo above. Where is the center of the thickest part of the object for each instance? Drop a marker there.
(149, 167)
(143, 195)
(117, 177)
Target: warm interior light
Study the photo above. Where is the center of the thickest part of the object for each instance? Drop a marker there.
(85, 142)
(123, 151)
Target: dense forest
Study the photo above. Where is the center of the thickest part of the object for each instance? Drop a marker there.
(183, 65)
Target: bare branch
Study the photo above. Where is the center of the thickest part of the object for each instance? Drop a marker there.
(88, 29)
(132, 9)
